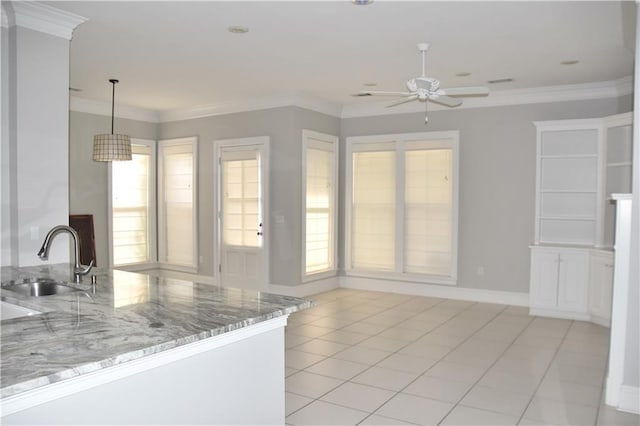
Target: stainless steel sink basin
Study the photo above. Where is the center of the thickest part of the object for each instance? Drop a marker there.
(40, 287)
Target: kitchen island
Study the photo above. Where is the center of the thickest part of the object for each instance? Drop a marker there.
(137, 349)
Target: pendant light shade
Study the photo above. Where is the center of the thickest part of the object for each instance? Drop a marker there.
(111, 147)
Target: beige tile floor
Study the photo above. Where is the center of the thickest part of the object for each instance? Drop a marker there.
(372, 358)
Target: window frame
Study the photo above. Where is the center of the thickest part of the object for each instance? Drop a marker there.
(317, 140)
(432, 140)
(151, 207)
(161, 215)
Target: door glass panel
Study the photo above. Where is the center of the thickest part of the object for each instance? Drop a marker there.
(241, 201)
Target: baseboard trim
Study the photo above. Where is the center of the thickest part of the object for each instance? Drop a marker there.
(431, 290)
(305, 289)
(629, 399)
(552, 313)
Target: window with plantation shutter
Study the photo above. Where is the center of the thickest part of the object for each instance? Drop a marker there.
(402, 193)
(133, 206)
(177, 194)
(374, 210)
(320, 198)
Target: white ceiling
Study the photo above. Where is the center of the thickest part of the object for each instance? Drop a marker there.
(178, 55)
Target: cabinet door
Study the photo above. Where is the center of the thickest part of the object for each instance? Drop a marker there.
(573, 282)
(601, 286)
(544, 279)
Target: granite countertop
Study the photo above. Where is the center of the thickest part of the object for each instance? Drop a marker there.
(127, 316)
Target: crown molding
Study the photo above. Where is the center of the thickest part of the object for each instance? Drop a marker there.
(43, 18)
(573, 92)
(299, 100)
(121, 111)
(564, 93)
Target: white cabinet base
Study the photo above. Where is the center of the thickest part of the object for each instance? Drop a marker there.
(571, 283)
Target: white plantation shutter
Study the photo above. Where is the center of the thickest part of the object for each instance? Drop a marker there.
(428, 211)
(319, 209)
(240, 198)
(402, 215)
(130, 197)
(177, 202)
(373, 211)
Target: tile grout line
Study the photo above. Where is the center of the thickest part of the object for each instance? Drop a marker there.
(545, 371)
(350, 346)
(439, 360)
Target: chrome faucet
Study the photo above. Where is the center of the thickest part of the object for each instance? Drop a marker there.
(78, 269)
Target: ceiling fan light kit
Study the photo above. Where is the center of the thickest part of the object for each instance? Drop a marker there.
(425, 89)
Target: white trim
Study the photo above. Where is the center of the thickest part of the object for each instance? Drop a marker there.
(572, 92)
(619, 305)
(262, 142)
(45, 19)
(431, 290)
(629, 399)
(554, 313)
(192, 142)
(397, 276)
(121, 111)
(563, 93)
(152, 220)
(53, 391)
(320, 141)
(221, 108)
(306, 289)
(399, 143)
(618, 120)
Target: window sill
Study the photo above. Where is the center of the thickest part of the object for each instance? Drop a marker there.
(315, 276)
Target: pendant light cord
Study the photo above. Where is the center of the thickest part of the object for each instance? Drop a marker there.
(113, 97)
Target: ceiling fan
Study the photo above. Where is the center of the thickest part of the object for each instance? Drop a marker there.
(425, 89)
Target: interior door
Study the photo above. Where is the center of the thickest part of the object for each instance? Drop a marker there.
(241, 201)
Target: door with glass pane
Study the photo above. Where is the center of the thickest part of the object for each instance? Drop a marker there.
(241, 216)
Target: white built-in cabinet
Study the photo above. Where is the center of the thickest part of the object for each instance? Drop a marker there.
(579, 164)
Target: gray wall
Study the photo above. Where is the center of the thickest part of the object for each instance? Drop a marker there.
(87, 178)
(284, 128)
(497, 180)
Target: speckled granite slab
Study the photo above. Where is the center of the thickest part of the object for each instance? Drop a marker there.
(127, 316)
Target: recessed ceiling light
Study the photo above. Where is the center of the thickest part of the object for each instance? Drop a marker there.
(370, 84)
(570, 62)
(361, 2)
(238, 29)
(463, 74)
(500, 80)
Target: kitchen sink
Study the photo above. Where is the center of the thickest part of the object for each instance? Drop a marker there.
(40, 287)
(10, 311)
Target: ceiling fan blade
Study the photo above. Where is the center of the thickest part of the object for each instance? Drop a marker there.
(404, 101)
(376, 93)
(445, 100)
(464, 91)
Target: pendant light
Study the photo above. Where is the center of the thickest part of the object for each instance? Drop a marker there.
(111, 147)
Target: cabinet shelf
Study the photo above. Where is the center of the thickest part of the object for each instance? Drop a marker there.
(568, 191)
(565, 156)
(570, 218)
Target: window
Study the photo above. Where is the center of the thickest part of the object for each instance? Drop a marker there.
(241, 198)
(177, 193)
(319, 195)
(402, 206)
(133, 206)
